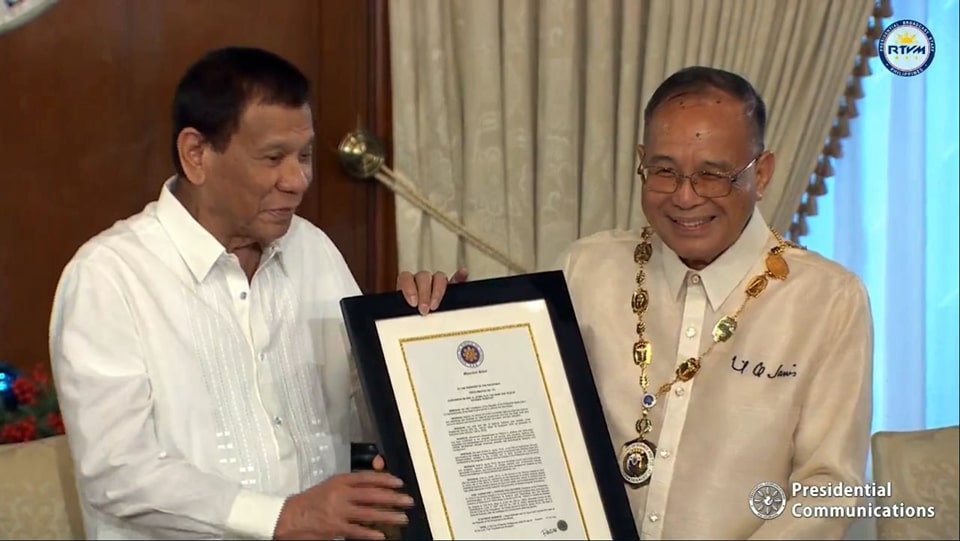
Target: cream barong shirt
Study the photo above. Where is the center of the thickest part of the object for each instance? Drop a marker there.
(787, 399)
(195, 401)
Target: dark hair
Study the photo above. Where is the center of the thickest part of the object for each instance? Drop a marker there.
(699, 79)
(213, 93)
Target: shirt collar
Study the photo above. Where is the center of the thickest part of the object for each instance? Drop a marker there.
(199, 249)
(720, 277)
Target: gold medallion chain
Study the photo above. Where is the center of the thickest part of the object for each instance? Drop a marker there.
(637, 455)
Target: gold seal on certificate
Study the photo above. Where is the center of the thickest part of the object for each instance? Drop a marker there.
(470, 354)
(487, 409)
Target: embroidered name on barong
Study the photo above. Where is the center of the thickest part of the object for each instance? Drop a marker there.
(758, 369)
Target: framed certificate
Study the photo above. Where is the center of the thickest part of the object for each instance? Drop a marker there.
(488, 411)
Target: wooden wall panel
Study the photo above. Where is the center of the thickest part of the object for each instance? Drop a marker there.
(85, 130)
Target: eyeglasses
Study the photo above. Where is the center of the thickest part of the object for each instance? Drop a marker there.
(705, 183)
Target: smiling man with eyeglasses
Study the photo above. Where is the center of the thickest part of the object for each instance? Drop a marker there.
(730, 362)
(702, 170)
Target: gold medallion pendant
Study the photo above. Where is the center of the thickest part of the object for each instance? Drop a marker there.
(636, 462)
(636, 456)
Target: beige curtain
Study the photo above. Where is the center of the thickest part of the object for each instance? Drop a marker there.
(519, 118)
(840, 129)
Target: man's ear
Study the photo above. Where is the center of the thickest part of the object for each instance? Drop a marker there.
(765, 168)
(640, 153)
(191, 148)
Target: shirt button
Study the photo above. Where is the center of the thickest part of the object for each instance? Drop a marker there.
(691, 332)
(664, 453)
(653, 517)
(679, 391)
(277, 421)
(243, 296)
(695, 279)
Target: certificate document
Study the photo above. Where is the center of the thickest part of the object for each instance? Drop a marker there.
(490, 410)
(495, 448)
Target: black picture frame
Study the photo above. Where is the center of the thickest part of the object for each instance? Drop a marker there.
(361, 314)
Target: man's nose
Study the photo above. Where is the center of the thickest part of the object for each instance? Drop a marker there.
(685, 195)
(296, 178)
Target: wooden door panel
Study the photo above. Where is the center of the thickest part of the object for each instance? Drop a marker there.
(354, 82)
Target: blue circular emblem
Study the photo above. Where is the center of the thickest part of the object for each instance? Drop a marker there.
(649, 400)
(906, 48)
(469, 354)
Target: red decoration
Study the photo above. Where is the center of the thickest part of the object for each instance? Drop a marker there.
(37, 414)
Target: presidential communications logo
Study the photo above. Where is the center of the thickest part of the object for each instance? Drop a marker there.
(906, 48)
(470, 354)
(768, 500)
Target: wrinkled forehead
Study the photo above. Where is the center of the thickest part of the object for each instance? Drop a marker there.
(703, 130)
(708, 105)
(263, 120)
(700, 118)
(260, 110)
